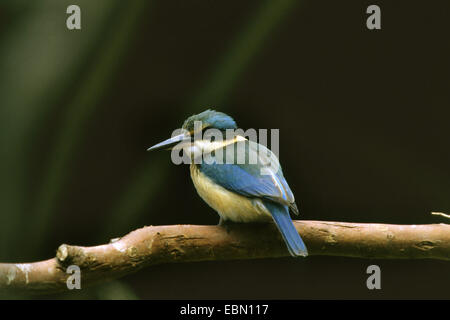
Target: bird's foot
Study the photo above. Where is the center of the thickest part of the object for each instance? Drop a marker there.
(222, 221)
(227, 224)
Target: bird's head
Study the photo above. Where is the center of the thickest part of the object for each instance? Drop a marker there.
(197, 124)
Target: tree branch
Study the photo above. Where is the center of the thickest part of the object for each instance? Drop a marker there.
(186, 243)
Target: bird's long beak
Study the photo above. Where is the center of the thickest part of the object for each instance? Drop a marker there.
(170, 143)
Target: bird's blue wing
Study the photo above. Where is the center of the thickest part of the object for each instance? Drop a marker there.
(243, 180)
(248, 179)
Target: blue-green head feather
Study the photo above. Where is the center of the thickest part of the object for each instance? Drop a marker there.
(210, 119)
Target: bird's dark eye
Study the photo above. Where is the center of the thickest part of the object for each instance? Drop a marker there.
(195, 135)
(214, 134)
(204, 130)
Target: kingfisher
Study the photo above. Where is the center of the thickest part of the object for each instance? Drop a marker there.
(240, 190)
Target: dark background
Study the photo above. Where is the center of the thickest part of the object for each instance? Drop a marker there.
(363, 119)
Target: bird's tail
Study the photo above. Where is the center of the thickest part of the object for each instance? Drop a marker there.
(294, 242)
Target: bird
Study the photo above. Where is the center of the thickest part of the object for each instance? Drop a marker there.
(239, 191)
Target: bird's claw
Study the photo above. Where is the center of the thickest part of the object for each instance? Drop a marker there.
(225, 224)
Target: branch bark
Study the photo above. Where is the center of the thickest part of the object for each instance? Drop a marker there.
(186, 243)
